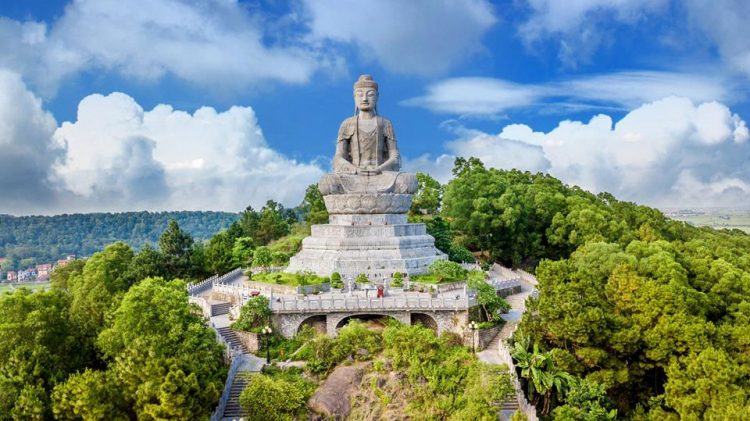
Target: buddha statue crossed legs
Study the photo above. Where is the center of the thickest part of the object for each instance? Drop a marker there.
(367, 160)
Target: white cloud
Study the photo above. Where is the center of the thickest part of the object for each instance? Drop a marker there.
(489, 96)
(669, 152)
(117, 156)
(724, 22)
(170, 159)
(579, 27)
(422, 37)
(213, 43)
(27, 152)
(583, 26)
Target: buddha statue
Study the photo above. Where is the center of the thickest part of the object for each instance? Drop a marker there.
(367, 160)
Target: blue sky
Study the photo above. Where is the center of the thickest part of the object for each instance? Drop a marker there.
(216, 104)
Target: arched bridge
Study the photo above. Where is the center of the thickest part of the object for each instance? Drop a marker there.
(447, 311)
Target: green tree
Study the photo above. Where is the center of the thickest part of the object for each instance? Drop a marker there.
(428, 197)
(219, 256)
(41, 346)
(91, 395)
(176, 247)
(105, 275)
(313, 207)
(242, 251)
(280, 398)
(255, 314)
(166, 362)
(262, 257)
(585, 400)
(146, 263)
(543, 377)
(62, 274)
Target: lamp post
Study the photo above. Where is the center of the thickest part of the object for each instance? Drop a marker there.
(267, 333)
(473, 327)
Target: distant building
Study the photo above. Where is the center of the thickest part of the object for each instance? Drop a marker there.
(42, 278)
(27, 275)
(62, 262)
(12, 276)
(44, 269)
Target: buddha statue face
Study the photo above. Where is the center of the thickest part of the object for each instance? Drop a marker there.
(366, 98)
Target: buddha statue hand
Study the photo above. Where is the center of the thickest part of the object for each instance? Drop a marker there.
(368, 171)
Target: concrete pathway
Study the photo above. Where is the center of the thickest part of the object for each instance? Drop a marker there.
(512, 318)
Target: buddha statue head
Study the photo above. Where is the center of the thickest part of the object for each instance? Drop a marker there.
(366, 94)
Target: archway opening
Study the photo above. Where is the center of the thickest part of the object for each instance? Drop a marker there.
(425, 320)
(372, 321)
(317, 323)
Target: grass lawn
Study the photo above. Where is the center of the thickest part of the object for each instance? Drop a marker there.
(433, 278)
(32, 286)
(291, 279)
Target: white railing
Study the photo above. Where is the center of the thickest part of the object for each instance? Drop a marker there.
(218, 413)
(229, 275)
(347, 303)
(526, 276)
(502, 273)
(344, 302)
(200, 287)
(203, 304)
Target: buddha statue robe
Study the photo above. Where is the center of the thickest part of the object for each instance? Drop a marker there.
(367, 160)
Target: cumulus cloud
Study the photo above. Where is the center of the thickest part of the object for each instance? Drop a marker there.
(421, 37)
(627, 90)
(213, 43)
(117, 156)
(27, 151)
(171, 159)
(669, 152)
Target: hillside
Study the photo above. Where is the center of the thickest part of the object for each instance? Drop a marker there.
(27, 240)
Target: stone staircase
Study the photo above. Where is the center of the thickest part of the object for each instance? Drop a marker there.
(220, 308)
(233, 410)
(231, 338)
(510, 404)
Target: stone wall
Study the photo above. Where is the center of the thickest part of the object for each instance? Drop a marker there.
(250, 340)
(485, 336)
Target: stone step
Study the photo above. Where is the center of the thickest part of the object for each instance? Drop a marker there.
(231, 337)
(379, 243)
(220, 308)
(365, 231)
(233, 408)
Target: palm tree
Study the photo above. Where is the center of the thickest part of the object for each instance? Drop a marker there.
(542, 376)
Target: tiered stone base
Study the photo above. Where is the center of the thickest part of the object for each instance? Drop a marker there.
(377, 245)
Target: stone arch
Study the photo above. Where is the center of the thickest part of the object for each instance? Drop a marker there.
(363, 316)
(317, 322)
(425, 320)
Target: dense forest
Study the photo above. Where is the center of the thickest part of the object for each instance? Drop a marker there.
(27, 240)
(637, 317)
(635, 311)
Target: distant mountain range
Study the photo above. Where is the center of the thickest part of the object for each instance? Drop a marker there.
(28, 240)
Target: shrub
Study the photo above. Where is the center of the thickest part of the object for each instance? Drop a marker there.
(461, 254)
(254, 315)
(336, 281)
(398, 280)
(262, 257)
(280, 258)
(354, 341)
(362, 279)
(447, 271)
(278, 396)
